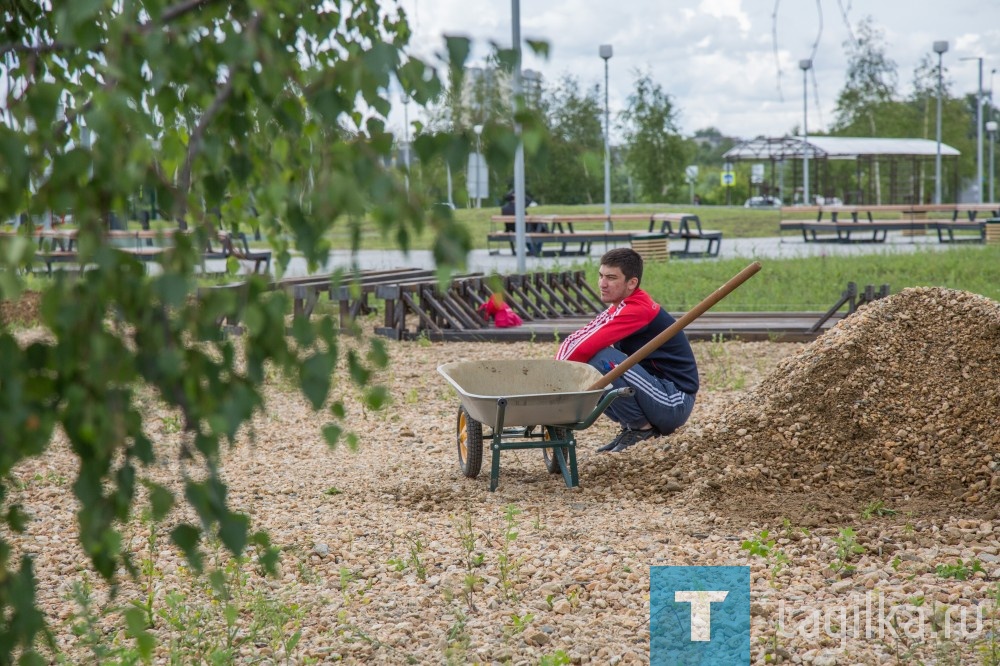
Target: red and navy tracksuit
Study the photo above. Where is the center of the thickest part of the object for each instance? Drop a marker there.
(665, 382)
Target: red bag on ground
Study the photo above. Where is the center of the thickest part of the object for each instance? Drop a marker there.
(502, 314)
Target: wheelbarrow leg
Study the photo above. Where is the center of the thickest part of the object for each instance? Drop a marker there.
(495, 467)
(497, 434)
(568, 467)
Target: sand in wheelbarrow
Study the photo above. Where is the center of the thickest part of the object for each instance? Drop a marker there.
(898, 402)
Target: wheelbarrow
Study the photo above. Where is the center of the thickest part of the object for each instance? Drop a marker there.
(514, 397)
(528, 404)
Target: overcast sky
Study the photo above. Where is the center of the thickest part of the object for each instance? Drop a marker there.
(717, 57)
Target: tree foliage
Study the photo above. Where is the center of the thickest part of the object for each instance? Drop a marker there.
(655, 151)
(871, 82)
(870, 105)
(568, 167)
(274, 107)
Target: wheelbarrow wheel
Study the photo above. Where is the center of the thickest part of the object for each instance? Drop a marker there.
(551, 462)
(470, 444)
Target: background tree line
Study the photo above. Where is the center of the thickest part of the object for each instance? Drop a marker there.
(566, 156)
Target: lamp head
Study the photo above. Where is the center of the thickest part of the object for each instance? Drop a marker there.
(940, 47)
(478, 129)
(805, 64)
(606, 51)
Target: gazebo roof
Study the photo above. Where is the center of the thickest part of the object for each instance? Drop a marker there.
(834, 147)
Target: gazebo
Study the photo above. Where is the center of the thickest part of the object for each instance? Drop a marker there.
(856, 170)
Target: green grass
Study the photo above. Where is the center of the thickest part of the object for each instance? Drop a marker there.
(815, 283)
(733, 222)
(811, 284)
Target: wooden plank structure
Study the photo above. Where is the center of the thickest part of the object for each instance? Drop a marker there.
(551, 304)
(993, 231)
(423, 308)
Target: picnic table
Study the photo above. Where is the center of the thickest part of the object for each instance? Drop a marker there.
(952, 223)
(564, 232)
(59, 246)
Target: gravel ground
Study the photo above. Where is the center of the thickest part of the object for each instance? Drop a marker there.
(870, 456)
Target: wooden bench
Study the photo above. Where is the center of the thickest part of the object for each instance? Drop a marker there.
(237, 245)
(875, 231)
(690, 231)
(946, 231)
(571, 243)
(872, 212)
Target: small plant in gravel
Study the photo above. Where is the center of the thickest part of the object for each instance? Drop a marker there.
(172, 424)
(537, 522)
(278, 622)
(989, 648)
(518, 623)
(508, 565)
(723, 372)
(557, 658)
(148, 573)
(85, 624)
(764, 547)
(847, 549)
(203, 619)
(346, 578)
(458, 640)
(417, 548)
(960, 570)
(903, 647)
(876, 508)
(471, 560)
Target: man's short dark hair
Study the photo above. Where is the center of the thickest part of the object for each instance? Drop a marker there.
(626, 259)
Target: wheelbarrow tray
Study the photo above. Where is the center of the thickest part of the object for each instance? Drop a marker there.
(537, 391)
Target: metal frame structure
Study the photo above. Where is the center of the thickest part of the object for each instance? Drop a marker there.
(910, 166)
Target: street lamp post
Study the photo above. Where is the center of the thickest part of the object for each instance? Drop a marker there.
(979, 133)
(478, 129)
(406, 129)
(605, 52)
(805, 65)
(519, 228)
(991, 127)
(940, 48)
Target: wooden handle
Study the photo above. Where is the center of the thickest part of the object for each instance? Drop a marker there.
(676, 327)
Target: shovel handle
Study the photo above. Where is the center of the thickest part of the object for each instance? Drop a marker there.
(677, 326)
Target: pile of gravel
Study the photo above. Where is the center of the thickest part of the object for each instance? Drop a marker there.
(900, 400)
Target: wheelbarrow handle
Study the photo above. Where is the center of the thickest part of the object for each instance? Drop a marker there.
(606, 399)
(678, 325)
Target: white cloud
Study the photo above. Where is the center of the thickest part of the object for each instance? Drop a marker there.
(726, 9)
(717, 57)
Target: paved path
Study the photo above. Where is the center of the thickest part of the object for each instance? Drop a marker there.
(749, 248)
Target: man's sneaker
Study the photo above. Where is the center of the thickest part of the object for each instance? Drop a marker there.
(632, 437)
(610, 446)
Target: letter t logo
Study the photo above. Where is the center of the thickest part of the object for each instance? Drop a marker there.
(701, 610)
